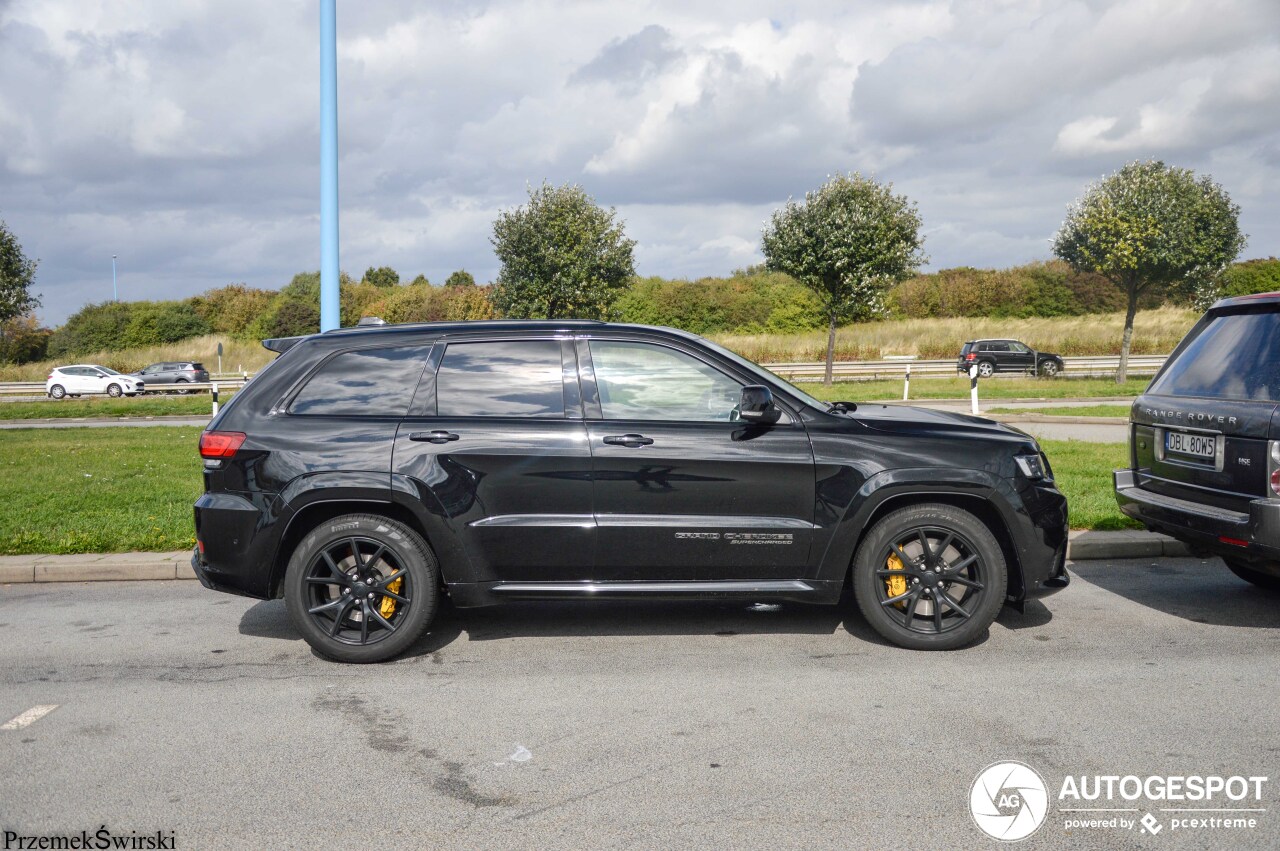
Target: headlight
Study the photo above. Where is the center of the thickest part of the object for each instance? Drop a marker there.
(1032, 466)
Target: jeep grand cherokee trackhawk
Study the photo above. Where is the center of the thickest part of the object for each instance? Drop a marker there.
(366, 472)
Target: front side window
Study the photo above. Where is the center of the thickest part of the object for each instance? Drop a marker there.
(368, 382)
(1018, 347)
(640, 381)
(510, 378)
(1234, 356)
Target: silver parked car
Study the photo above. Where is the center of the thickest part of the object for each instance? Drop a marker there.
(174, 372)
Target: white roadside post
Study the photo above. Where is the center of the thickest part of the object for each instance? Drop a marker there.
(906, 382)
(215, 399)
(973, 388)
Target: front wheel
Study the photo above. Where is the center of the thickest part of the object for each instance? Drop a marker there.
(1049, 369)
(1256, 577)
(930, 577)
(362, 588)
(986, 369)
(57, 391)
(114, 391)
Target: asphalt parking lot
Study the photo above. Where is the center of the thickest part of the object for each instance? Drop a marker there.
(623, 725)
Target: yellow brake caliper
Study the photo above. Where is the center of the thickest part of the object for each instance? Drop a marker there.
(895, 585)
(387, 607)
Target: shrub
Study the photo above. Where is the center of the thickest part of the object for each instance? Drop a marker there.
(1249, 277)
(383, 276)
(746, 302)
(154, 322)
(232, 309)
(93, 328)
(460, 278)
(23, 340)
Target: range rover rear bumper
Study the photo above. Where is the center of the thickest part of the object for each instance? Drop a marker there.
(1252, 536)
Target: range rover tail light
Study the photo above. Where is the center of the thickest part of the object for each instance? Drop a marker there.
(1275, 482)
(1273, 465)
(220, 444)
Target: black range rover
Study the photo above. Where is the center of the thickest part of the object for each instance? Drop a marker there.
(1205, 441)
(367, 472)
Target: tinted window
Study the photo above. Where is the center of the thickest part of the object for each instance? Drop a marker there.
(520, 378)
(1235, 356)
(371, 382)
(639, 381)
(1018, 347)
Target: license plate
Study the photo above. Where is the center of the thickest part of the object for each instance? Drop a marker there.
(1195, 445)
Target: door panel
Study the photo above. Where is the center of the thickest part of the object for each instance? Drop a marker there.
(683, 490)
(497, 446)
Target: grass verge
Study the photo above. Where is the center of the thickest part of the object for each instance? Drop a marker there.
(1121, 411)
(121, 489)
(146, 406)
(80, 490)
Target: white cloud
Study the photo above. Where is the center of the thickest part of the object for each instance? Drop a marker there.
(182, 134)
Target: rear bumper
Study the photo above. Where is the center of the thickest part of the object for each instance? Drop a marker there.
(1252, 537)
(230, 556)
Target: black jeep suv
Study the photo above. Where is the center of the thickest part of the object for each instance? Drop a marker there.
(366, 472)
(1204, 440)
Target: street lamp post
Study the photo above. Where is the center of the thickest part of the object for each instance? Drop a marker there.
(115, 295)
(329, 301)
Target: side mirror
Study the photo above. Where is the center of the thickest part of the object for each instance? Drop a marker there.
(756, 405)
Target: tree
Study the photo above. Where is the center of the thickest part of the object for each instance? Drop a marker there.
(562, 256)
(419, 280)
(1151, 227)
(17, 272)
(460, 278)
(23, 340)
(383, 276)
(848, 241)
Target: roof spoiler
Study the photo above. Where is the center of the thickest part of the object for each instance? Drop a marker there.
(280, 345)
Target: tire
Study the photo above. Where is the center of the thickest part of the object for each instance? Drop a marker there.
(114, 391)
(972, 557)
(986, 369)
(183, 390)
(389, 547)
(1049, 369)
(1256, 577)
(57, 391)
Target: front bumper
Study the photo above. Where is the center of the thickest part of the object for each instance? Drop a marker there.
(1252, 537)
(1042, 543)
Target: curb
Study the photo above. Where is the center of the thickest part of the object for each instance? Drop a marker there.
(133, 567)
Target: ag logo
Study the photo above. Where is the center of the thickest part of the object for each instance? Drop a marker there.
(1008, 801)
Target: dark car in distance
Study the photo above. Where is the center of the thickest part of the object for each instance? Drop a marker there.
(367, 472)
(992, 356)
(174, 372)
(1204, 441)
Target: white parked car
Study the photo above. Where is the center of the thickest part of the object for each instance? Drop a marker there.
(86, 378)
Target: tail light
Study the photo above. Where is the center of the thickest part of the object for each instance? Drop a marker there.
(220, 444)
(971, 356)
(1275, 482)
(1273, 465)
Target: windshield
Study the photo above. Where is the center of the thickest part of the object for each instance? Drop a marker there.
(1234, 356)
(767, 375)
(108, 370)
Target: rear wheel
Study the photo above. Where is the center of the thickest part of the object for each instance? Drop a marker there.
(114, 391)
(362, 588)
(1256, 577)
(986, 368)
(930, 577)
(57, 391)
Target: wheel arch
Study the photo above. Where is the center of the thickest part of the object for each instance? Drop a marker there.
(312, 514)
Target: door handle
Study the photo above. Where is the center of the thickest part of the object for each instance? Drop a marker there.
(632, 440)
(432, 436)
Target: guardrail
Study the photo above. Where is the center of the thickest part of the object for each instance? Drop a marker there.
(1080, 367)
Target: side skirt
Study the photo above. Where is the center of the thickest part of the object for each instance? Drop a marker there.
(794, 590)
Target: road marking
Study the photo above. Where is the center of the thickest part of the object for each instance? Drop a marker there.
(29, 717)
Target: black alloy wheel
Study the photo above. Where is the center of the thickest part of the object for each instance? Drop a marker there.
(361, 588)
(930, 577)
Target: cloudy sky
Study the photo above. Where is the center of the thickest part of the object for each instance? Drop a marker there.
(182, 135)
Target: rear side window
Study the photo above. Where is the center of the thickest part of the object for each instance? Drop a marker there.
(1234, 356)
(517, 378)
(368, 382)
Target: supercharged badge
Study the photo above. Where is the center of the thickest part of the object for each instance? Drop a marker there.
(758, 537)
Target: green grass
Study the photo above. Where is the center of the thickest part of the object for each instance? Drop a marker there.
(958, 388)
(1121, 411)
(105, 406)
(1083, 473)
(81, 490)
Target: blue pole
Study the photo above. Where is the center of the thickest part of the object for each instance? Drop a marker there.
(115, 295)
(329, 303)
